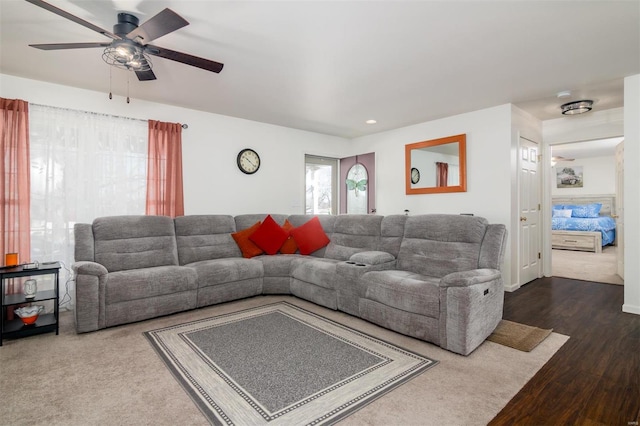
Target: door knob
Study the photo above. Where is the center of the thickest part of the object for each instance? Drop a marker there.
(523, 219)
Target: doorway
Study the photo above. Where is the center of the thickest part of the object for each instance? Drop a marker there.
(358, 184)
(586, 173)
(321, 190)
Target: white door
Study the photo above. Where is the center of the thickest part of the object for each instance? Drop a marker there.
(529, 208)
(619, 216)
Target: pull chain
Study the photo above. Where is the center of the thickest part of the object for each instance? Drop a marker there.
(110, 95)
(128, 101)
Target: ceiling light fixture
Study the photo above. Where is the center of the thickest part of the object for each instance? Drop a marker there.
(576, 107)
(371, 121)
(127, 55)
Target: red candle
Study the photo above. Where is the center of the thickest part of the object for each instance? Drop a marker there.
(11, 259)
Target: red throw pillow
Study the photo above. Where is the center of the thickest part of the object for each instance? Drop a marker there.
(310, 236)
(248, 248)
(289, 246)
(269, 236)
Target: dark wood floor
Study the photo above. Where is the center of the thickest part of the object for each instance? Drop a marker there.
(594, 379)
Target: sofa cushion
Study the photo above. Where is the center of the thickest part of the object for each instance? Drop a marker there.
(277, 266)
(320, 272)
(269, 236)
(392, 232)
(437, 245)
(248, 248)
(310, 236)
(134, 242)
(146, 283)
(404, 290)
(372, 257)
(224, 271)
(353, 234)
(244, 221)
(204, 237)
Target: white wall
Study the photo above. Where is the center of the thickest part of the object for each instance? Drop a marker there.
(584, 127)
(489, 182)
(632, 194)
(212, 181)
(599, 174)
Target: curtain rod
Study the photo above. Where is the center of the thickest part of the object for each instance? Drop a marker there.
(184, 126)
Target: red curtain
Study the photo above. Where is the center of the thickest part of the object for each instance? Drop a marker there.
(164, 171)
(442, 170)
(14, 179)
(14, 185)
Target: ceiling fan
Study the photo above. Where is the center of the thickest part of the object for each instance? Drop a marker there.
(129, 48)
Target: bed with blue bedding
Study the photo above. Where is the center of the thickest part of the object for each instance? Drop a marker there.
(582, 226)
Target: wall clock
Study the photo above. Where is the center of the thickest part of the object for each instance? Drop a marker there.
(415, 175)
(248, 161)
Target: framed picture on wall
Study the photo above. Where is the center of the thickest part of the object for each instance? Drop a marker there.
(569, 177)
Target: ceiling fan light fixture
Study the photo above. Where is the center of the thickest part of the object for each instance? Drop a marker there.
(127, 55)
(576, 107)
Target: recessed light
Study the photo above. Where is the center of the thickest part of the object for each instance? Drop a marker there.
(371, 121)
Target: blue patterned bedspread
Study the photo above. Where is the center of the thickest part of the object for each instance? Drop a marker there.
(604, 224)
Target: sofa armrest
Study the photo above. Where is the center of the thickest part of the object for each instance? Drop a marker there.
(89, 268)
(469, 278)
(90, 283)
(372, 257)
(471, 304)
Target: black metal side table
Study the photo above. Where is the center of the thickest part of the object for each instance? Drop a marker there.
(46, 322)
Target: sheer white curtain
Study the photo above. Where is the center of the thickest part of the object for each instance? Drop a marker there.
(83, 165)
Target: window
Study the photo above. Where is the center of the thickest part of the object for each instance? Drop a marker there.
(83, 165)
(321, 196)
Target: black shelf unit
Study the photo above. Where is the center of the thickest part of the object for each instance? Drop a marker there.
(46, 322)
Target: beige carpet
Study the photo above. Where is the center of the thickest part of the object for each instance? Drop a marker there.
(114, 377)
(587, 266)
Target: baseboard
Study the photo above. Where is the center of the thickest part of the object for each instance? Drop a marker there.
(631, 309)
(512, 287)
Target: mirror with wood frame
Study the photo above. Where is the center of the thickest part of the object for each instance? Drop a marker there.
(436, 166)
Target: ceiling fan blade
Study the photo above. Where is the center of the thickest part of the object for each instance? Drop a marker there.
(65, 14)
(163, 23)
(184, 58)
(60, 46)
(145, 75)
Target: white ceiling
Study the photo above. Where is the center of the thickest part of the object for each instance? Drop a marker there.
(327, 66)
(587, 149)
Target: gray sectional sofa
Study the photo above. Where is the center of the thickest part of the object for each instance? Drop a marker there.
(433, 277)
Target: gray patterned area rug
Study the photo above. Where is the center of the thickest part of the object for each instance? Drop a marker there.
(280, 364)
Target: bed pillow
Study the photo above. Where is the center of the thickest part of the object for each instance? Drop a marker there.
(558, 207)
(585, 210)
(562, 213)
